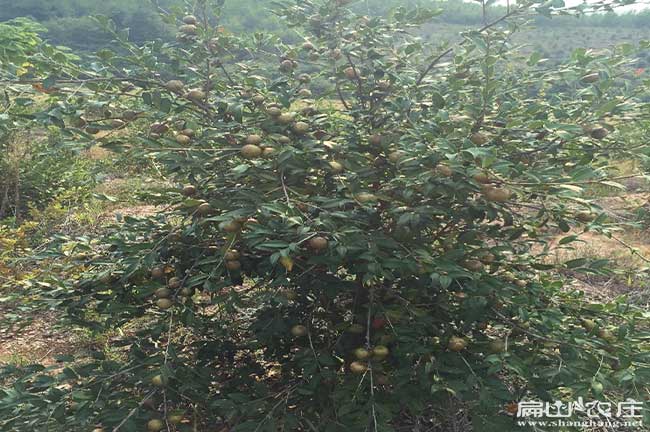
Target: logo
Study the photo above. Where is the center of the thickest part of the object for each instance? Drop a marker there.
(580, 413)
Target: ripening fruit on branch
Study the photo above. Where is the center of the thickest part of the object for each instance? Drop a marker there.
(286, 262)
(318, 243)
(375, 139)
(380, 352)
(299, 330)
(456, 344)
(361, 354)
(176, 418)
(286, 66)
(174, 283)
(187, 291)
(189, 190)
(251, 151)
(117, 123)
(336, 167)
(175, 86)
(268, 152)
(599, 133)
(187, 29)
(163, 293)
(273, 111)
(183, 139)
(473, 265)
(301, 127)
(481, 177)
(159, 381)
(204, 209)
(478, 138)
(258, 99)
(230, 227)
(253, 139)
(231, 255)
(157, 272)
(233, 265)
(308, 46)
(396, 156)
(495, 194)
(195, 95)
(350, 73)
(588, 324)
(304, 93)
(190, 19)
(155, 425)
(606, 335)
(164, 303)
(444, 171)
(358, 367)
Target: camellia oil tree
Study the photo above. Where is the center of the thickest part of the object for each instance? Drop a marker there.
(359, 234)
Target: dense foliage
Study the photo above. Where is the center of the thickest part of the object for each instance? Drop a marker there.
(367, 257)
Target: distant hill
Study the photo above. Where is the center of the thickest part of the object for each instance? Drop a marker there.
(69, 24)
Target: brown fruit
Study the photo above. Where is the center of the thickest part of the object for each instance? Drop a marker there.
(350, 73)
(495, 194)
(285, 118)
(286, 66)
(358, 367)
(361, 354)
(190, 19)
(304, 78)
(175, 86)
(336, 54)
(606, 335)
(473, 265)
(585, 216)
(375, 139)
(233, 265)
(155, 425)
(187, 292)
(231, 227)
(159, 128)
(268, 152)
(444, 171)
(301, 127)
(189, 190)
(189, 132)
(336, 167)
(521, 283)
(299, 330)
(481, 178)
(163, 293)
(456, 344)
(157, 272)
(588, 324)
(251, 151)
(195, 94)
(204, 209)
(174, 283)
(183, 139)
(308, 46)
(231, 255)
(318, 243)
(395, 156)
(187, 29)
(175, 418)
(305, 93)
(253, 139)
(117, 123)
(273, 111)
(164, 303)
(258, 99)
(599, 133)
(380, 352)
(478, 138)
